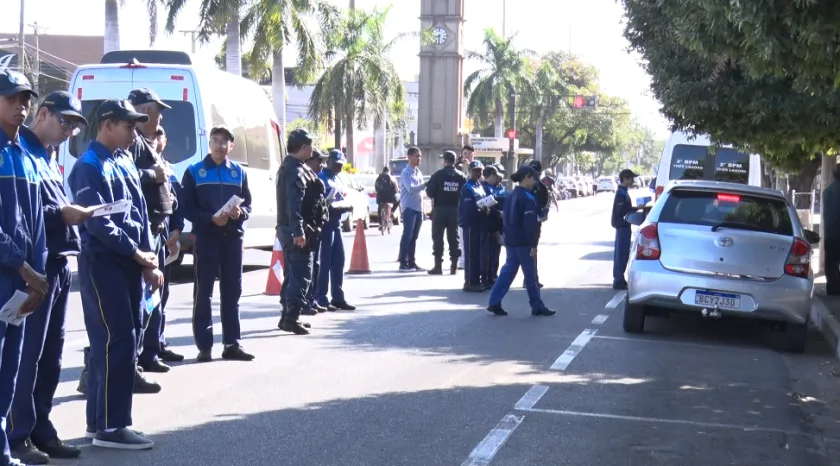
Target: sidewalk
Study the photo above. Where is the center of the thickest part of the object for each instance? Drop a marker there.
(825, 315)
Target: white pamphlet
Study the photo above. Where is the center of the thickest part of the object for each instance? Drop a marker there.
(234, 201)
(278, 271)
(487, 202)
(10, 313)
(152, 299)
(119, 207)
(174, 255)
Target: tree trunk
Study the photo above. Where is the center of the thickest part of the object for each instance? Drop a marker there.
(112, 25)
(337, 117)
(349, 128)
(538, 143)
(500, 119)
(278, 88)
(803, 182)
(233, 58)
(828, 164)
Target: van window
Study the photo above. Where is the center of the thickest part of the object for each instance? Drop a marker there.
(744, 211)
(179, 124)
(687, 162)
(732, 166)
(259, 155)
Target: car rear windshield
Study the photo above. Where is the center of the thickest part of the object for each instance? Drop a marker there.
(179, 124)
(728, 210)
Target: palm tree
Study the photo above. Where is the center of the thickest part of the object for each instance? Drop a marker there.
(215, 16)
(362, 83)
(488, 88)
(545, 95)
(112, 25)
(273, 25)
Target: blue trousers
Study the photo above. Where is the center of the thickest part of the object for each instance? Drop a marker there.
(11, 340)
(621, 255)
(40, 368)
(517, 256)
(153, 341)
(112, 301)
(214, 254)
(494, 250)
(474, 264)
(311, 297)
(297, 276)
(331, 273)
(412, 221)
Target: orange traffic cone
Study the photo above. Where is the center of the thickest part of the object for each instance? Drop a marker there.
(275, 271)
(359, 263)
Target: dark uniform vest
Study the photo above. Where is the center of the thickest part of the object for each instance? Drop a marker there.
(313, 206)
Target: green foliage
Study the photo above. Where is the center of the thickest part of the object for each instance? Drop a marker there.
(315, 130)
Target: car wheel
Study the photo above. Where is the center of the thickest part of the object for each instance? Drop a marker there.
(634, 317)
(796, 336)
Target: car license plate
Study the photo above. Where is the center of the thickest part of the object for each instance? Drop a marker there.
(720, 300)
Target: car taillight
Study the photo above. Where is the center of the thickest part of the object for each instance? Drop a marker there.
(659, 190)
(798, 262)
(647, 244)
(372, 195)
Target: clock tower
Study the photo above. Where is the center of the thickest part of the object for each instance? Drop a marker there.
(441, 80)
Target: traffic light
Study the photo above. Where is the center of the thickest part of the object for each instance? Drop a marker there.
(511, 134)
(585, 101)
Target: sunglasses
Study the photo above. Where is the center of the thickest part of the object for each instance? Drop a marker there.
(75, 127)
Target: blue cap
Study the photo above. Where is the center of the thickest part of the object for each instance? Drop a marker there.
(122, 110)
(13, 82)
(336, 156)
(64, 103)
(476, 165)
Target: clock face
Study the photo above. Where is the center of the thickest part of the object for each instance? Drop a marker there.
(439, 35)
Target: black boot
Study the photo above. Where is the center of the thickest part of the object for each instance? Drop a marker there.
(438, 268)
(453, 267)
(82, 388)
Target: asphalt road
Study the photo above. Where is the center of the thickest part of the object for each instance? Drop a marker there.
(421, 375)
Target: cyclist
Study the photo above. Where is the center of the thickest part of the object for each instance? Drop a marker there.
(386, 197)
(550, 183)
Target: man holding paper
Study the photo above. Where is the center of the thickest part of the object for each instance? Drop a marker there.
(32, 436)
(472, 217)
(23, 250)
(115, 262)
(217, 201)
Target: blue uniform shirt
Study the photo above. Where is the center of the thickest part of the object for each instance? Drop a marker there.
(22, 236)
(520, 219)
(101, 177)
(206, 188)
(494, 222)
(332, 181)
(621, 207)
(62, 239)
(469, 214)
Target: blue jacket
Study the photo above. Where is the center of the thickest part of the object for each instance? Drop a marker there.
(206, 188)
(494, 221)
(62, 239)
(332, 181)
(102, 177)
(520, 219)
(469, 214)
(22, 236)
(622, 205)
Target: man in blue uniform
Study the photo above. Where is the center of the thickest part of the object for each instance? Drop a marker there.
(472, 219)
(206, 188)
(315, 163)
(493, 185)
(520, 224)
(541, 196)
(300, 212)
(621, 207)
(23, 250)
(32, 436)
(331, 273)
(115, 262)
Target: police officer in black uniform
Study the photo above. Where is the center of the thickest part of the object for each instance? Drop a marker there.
(541, 195)
(301, 210)
(444, 188)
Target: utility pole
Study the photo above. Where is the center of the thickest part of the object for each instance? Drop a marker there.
(36, 73)
(193, 36)
(22, 39)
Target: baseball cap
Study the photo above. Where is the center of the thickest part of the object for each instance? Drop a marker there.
(476, 165)
(222, 129)
(316, 154)
(65, 104)
(122, 110)
(13, 82)
(523, 172)
(500, 168)
(536, 165)
(448, 156)
(627, 173)
(490, 170)
(336, 156)
(144, 95)
(299, 137)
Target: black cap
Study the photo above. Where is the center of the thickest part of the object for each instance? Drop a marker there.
(13, 82)
(500, 168)
(476, 165)
(121, 110)
(64, 103)
(490, 170)
(299, 137)
(626, 173)
(448, 156)
(523, 172)
(536, 165)
(145, 95)
(222, 129)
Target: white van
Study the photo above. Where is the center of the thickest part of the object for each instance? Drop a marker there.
(200, 97)
(687, 158)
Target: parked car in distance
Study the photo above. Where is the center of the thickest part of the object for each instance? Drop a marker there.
(722, 249)
(368, 182)
(607, 183)
(573, 186)
(354, 193)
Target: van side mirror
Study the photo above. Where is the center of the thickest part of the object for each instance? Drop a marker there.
(635, 218)
(811, 236)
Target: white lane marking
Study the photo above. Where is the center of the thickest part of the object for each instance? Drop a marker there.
(531, 398)
(656, 420)
(725, 346)
(574, 349)
(616, 300)
(599, 319)
(483, 454)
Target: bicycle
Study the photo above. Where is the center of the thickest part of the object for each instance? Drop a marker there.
(385, 217)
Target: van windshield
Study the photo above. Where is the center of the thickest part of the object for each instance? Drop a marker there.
(688, 163)
(179, 124)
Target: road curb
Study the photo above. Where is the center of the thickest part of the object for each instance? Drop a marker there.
(826, 323)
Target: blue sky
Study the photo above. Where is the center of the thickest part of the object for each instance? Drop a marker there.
(591, 29)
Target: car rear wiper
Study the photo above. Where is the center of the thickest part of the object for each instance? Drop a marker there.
(736, 225)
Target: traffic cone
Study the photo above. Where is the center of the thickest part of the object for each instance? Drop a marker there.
(275, 271)
(359, 263)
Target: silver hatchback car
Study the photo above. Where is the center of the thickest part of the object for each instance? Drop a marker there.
(722, 249)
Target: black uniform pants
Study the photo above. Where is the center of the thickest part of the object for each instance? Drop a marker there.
(832, 266)
(445, 218)
(297, 276)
